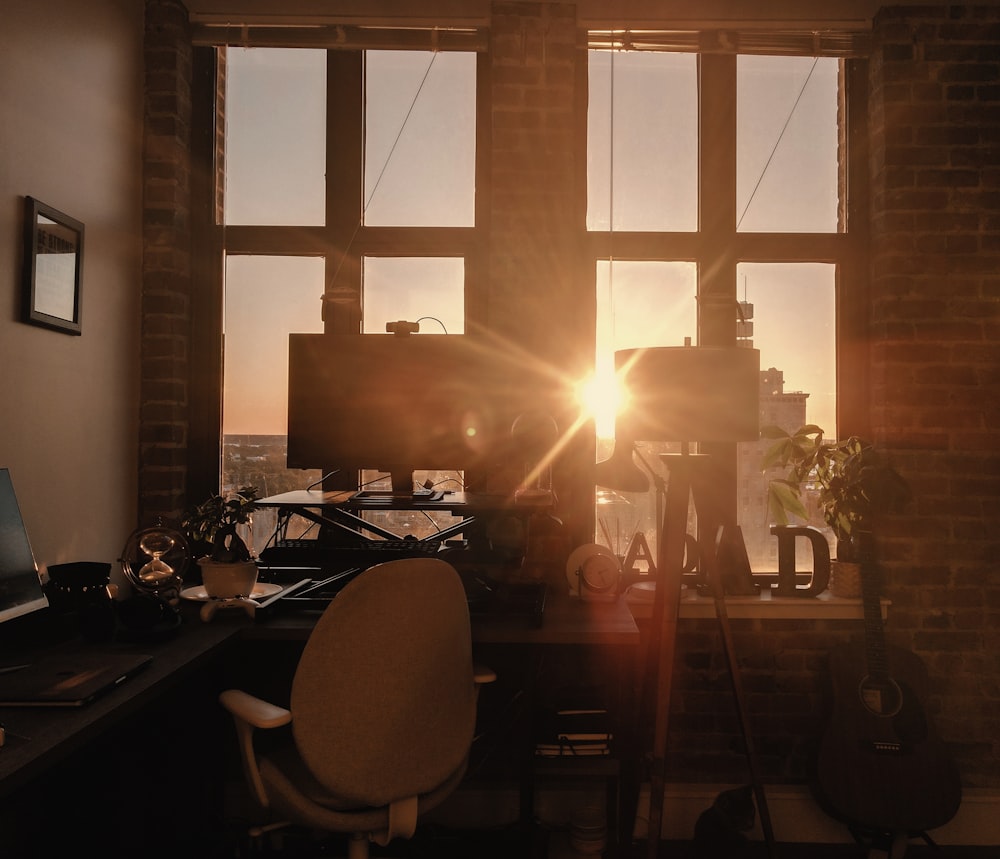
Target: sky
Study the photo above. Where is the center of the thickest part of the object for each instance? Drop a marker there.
(420, 169)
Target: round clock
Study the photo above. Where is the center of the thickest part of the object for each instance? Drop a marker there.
(593, 572)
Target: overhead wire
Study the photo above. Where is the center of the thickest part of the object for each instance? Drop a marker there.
(777, 142)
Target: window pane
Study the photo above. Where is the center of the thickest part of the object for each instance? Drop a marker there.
(794, 326)
(639, 303)
(429, 289)
(787, 144)
(420, 121)
(653, 185)
(275, 136)
(267, 298)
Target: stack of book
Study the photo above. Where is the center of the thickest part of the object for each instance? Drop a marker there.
(575, 732)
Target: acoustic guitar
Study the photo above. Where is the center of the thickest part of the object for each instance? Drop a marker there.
(881, 766)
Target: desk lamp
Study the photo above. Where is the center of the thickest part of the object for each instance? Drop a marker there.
(686, 394)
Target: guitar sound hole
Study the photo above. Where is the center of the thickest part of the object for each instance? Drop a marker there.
(880, 698)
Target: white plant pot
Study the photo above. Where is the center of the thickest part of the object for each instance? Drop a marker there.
(228, 580)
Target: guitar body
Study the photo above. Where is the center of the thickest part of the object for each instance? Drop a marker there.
(881, 765)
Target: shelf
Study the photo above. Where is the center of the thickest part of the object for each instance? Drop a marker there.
(764, 605)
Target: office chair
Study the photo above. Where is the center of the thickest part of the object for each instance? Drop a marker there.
(382, 709)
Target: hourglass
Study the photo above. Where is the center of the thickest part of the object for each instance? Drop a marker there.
(155, 559)
(156, 543)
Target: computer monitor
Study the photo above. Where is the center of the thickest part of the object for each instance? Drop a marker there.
(20, 588)
(399, 403)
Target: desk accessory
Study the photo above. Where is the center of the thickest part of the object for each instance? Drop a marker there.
(70, 679)
(225, 558)
(20, 587)
(155, 561)
(593, 572)
(82, 590)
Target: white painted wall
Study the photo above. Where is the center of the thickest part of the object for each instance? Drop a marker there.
(71, 77)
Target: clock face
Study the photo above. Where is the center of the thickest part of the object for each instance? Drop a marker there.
(599, 573)
(593, 570)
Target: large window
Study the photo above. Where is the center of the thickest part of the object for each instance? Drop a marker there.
(717, 200)
(324, 227)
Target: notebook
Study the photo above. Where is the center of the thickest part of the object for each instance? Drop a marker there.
(69, 679)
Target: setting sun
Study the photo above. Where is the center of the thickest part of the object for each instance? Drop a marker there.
(601, 396)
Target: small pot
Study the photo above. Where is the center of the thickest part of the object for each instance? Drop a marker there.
(228, 579)
(845, 579)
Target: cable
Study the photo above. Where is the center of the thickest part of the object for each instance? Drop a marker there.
(433, 319)
(385, 165)
(777, 142)
(324, 477)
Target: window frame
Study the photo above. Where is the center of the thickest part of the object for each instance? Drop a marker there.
(344, 240)
(717, 240)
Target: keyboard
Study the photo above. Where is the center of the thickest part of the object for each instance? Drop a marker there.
(311, 553)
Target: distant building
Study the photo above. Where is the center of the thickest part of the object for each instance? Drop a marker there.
(777, 408)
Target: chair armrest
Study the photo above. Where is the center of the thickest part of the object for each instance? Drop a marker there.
(249, 713)
(483, 674)
(253, 710)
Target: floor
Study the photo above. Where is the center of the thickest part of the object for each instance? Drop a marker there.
(511, 843)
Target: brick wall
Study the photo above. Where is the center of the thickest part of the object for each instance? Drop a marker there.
(935, 374)
(935, 406)
(166, 263)
(535, 276)
(935, 321)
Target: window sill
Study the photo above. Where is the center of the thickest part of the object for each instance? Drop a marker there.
(823, 607)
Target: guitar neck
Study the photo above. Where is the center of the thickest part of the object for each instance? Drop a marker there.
(876, 652)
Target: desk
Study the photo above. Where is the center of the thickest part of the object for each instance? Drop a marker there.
(56, 734)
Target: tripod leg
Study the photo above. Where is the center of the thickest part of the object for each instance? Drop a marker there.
(663, 635)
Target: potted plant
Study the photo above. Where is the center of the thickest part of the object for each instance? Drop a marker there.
(853, 482)
(228, 569)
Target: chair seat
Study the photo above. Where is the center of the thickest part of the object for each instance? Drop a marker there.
(295, 793)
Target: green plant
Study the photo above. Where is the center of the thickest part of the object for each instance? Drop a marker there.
(854, 482)
(211, 526)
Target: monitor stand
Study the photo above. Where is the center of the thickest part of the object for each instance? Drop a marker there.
(403, 489)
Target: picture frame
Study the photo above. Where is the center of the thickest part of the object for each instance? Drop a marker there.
(53, 268)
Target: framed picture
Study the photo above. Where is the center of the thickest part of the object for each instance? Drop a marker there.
(53, 266)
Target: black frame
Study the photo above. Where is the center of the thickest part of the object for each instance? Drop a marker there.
(46, 291)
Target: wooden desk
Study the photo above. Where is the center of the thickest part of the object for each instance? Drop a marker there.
(38, 738)
(567, 620)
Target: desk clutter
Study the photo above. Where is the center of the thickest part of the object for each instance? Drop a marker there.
(310, 586)
(575, 723)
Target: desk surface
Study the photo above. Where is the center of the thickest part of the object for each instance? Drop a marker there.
(567, 620)
(40, 737)
(55, 733)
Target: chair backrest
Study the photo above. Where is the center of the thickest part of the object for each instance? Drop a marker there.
(383, 700)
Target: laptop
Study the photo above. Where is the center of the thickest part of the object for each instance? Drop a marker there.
(69, 679)
(59, 677)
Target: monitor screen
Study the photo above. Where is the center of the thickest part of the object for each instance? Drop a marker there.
(400, 403)
(20, 588)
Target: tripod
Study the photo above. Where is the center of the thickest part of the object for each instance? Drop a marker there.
(688, 480)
